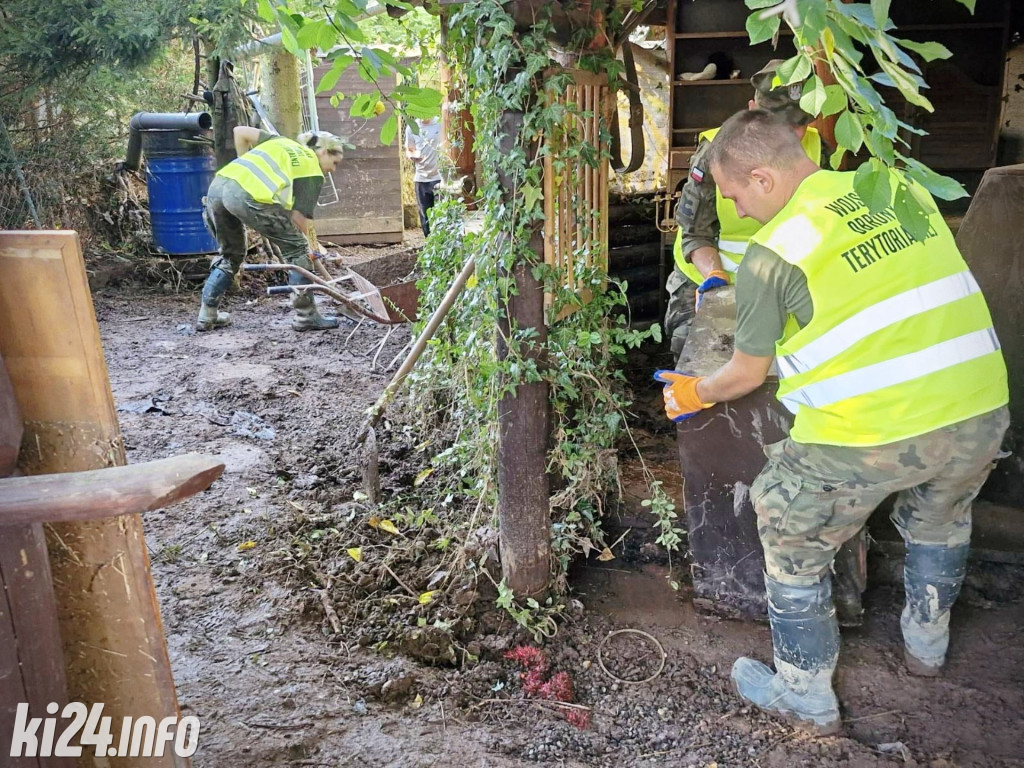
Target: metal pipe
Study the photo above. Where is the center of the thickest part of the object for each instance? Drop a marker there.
(160, 121)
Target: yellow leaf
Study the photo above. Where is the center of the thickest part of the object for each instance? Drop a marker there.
(830, 42)
(472, 281)
(374, 521)
(417, 702)
(423, 476)
(387, 525)
(426, 597)
(356, 553)
(246, 545)
(606, 555)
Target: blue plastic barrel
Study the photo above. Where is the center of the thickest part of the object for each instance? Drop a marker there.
(179, 172)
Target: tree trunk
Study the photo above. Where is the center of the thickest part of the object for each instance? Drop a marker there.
(281, 95)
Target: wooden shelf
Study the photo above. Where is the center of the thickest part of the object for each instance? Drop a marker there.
(721, 35)
(950, 27)
(737, 81)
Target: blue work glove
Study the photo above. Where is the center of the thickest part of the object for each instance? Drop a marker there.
(715, 279)
(680, 393)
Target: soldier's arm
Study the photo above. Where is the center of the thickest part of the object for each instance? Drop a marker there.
(245, 138)
(697, 215)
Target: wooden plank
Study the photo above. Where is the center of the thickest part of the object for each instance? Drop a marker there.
(10, 424)
(12, 685)
(357, 225)
(25, 573)
(114, 648)
(105, 492)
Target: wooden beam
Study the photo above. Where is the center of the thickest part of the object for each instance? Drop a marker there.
(99, 493)
(524, 421)
(114, 648)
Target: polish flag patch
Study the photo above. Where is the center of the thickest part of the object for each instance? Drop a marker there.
(697, 175)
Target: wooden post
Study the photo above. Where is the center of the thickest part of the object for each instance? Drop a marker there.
(281, 94)
(114, 648)
(457, 125)
(524, 423)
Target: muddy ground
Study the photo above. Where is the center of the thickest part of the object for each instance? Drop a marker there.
(257, 659)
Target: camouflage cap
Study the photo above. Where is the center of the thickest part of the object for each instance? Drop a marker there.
(323, 140)
(783, 100)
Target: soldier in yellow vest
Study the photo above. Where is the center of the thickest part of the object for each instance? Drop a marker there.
(711, 237)
(887, 357)
(271, 187)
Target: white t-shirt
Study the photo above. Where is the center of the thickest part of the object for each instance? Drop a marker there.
(428, 147)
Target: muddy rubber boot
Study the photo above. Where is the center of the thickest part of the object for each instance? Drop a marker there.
(307, 317)
(805, 637)
(932, 578)
(213, 289)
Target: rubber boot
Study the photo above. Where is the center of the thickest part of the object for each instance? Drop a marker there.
(213, 289)
(307, 317)
(805, 637)
(932, 577)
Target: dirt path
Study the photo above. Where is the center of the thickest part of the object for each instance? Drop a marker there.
(255, 658)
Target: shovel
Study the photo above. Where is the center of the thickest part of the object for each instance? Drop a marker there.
(367, 436)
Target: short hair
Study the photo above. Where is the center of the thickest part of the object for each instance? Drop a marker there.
(334, 145)
(755, 138)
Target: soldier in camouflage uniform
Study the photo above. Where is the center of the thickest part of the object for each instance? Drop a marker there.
(897, 383)
(272, 188)
(697, 214)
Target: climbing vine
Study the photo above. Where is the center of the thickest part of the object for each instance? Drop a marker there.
(456, 390)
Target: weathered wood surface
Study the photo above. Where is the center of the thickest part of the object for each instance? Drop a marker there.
(33, 653)
(990, 240)
(369, 179)
(114, 648)
(31, 661)
(105, 492)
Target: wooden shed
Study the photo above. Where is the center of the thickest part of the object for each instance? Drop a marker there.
(368, 182)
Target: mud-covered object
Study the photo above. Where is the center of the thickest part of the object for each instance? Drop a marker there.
(680, 311)
(230, 209)
(932, 577)
(810, 499)
(805, 643)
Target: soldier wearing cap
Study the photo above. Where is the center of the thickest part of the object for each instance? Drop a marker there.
(711, 237)
(271, 187)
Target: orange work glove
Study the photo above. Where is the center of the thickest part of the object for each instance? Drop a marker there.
(681, 400)
(716, 279)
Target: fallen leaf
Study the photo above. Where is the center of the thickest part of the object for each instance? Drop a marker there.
(417, 702)
(606, 555)
(422, 476)
(388, 526)
(297, 505)
(356, 553)
(426, 597)
(253, 492)
(359, 496)
(246, 545)
(247, 511)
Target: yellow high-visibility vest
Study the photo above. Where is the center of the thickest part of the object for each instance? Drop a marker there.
(901, 341)
(735, 231)
(267, 171)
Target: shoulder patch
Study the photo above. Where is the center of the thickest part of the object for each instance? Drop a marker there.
(697, 174)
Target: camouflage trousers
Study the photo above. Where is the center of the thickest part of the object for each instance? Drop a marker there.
(680, 311)
(810, 498)
(230, 209)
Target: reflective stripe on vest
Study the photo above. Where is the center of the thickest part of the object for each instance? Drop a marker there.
(875, 318)
(267, 171)
(901, 369)
(735, 231)
(900, 342)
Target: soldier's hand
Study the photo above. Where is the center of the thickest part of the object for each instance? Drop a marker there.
(715, 279)
(680, 393)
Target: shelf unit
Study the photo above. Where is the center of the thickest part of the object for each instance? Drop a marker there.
(966, 91)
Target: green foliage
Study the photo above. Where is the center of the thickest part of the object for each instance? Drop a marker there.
(839, 35)
(343, 32)
(457, 387)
